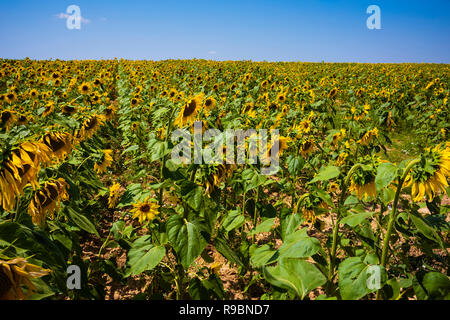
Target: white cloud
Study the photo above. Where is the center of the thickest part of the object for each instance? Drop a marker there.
(212, 52)
(65, 16)
(103, 19)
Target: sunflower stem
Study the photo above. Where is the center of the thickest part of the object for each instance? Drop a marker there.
(392, 218)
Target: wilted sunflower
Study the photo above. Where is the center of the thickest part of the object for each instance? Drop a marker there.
(104, 162)
(19, 169)
(15, 274)
(47, 199)
(68, 110)
(307, 147)
(8, 118)
(333, 92)
(114, 192)
(90, 126)
(368, 137)
(429, 176)
(189, 111)
(214, 176)
(110, 112)
(48, 108)
(59, 143)
(146, 210)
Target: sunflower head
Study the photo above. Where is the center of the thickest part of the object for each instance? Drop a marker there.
(146, 210)
(429, 177)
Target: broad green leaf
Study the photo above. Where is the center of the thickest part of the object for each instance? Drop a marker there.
(326, 173)
(262, 256)
(233, 220)
(225, 250)
(295, 275)
(436, 284)
(264, 226)
(425, 228)
(356, 280)
(186, 239)
(144, 255)
(299, 245)
(290, 224)
(386, 173)
(356, 219)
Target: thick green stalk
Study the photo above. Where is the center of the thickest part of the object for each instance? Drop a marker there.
(393, 216)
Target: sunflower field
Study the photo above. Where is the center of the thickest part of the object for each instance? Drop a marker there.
(358, 208)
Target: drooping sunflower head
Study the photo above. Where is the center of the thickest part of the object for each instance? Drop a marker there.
(59, 143)
(16, 275)
(47, 199)
(110, 112)
(145, 210)
(332, 93)
(429, 177)
(90, 126)
(368, 137)
(7, 118)
(307, 147)
(114, 194)
(104, 161)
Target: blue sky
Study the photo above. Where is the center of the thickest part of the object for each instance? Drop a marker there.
(330, 31)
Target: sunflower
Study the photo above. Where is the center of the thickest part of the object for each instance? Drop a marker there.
(84, 88)
(7, 117)
(90, 126)
(307, 147)
(114, 192)
(48, 108)
(214, 176)
(189, 111)
(15, 274)
(19, 169)
(368, 137)
(59, 143)
(333, 92)
(210, 103)
(105, 161)
(110, 112)
(365, 190)
(341, 159)
(10, 97)
(68, 110)
(47, 199)
(281, 97)
(23, 118)
(146, 210)
(34, 94)
(429, 177)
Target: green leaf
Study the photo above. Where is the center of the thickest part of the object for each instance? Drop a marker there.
(295, 164)
(262, 256)
(144, 255)
(353, 220)
(386, 173)
(425, 228)
(225, 250)
(290, 224)
(356, 279)
(299, 245)
(326, 173)
(233, 220)
(295, 275)
(264, 226)
(436, 284)
(80, 220)
(186, 239)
